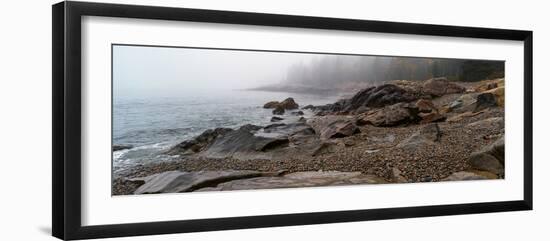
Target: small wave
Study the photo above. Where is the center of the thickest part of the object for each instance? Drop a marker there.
(119, 153)
(160, 145)
(123, 159)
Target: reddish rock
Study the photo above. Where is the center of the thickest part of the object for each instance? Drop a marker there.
(431, 117)
(393, 115)
(425, 106)
(441, 86)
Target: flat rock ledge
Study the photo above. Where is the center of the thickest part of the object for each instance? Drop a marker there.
(177, 181)
(470, 175)
(299, 179)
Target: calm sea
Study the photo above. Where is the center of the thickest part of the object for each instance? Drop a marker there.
(152, 125)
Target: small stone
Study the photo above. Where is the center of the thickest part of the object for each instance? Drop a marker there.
(427, 179)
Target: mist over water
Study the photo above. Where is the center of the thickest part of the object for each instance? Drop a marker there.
(159, 72)
(163, 96)
(152, 125)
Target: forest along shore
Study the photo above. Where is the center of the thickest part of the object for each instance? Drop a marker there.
(397, 132)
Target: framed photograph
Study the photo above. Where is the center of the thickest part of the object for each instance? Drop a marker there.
(171, 120)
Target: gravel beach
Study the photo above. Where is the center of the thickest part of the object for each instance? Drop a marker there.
(385, 152)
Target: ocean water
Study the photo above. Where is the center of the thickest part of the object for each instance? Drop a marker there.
(154, 124)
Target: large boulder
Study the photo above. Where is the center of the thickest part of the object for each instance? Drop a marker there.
(428, 112)
(373, 97)
(271, 104)
(303, 136)
(464, 103)
(244, 140)
(280, 107)
(198, 143)
(498, 93)
(441, 86)
(289, 104)
(319, 123)
(393, 115)
(488, 85)
(474, 102)
(253, 142)
(339, 129)
(485, 100)
(409, 85)
(428, 135)
(248, 140)
(490, 158)
(380, 96)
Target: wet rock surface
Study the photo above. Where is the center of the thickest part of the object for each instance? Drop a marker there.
(245, 141)
(199, 143)
(177, 181)
(121, 147)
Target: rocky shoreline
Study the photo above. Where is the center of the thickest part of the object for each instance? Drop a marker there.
(398, 132)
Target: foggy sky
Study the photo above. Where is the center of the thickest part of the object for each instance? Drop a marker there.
(173, 72)
(155, 71)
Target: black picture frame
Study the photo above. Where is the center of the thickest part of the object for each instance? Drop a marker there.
(66, 127)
